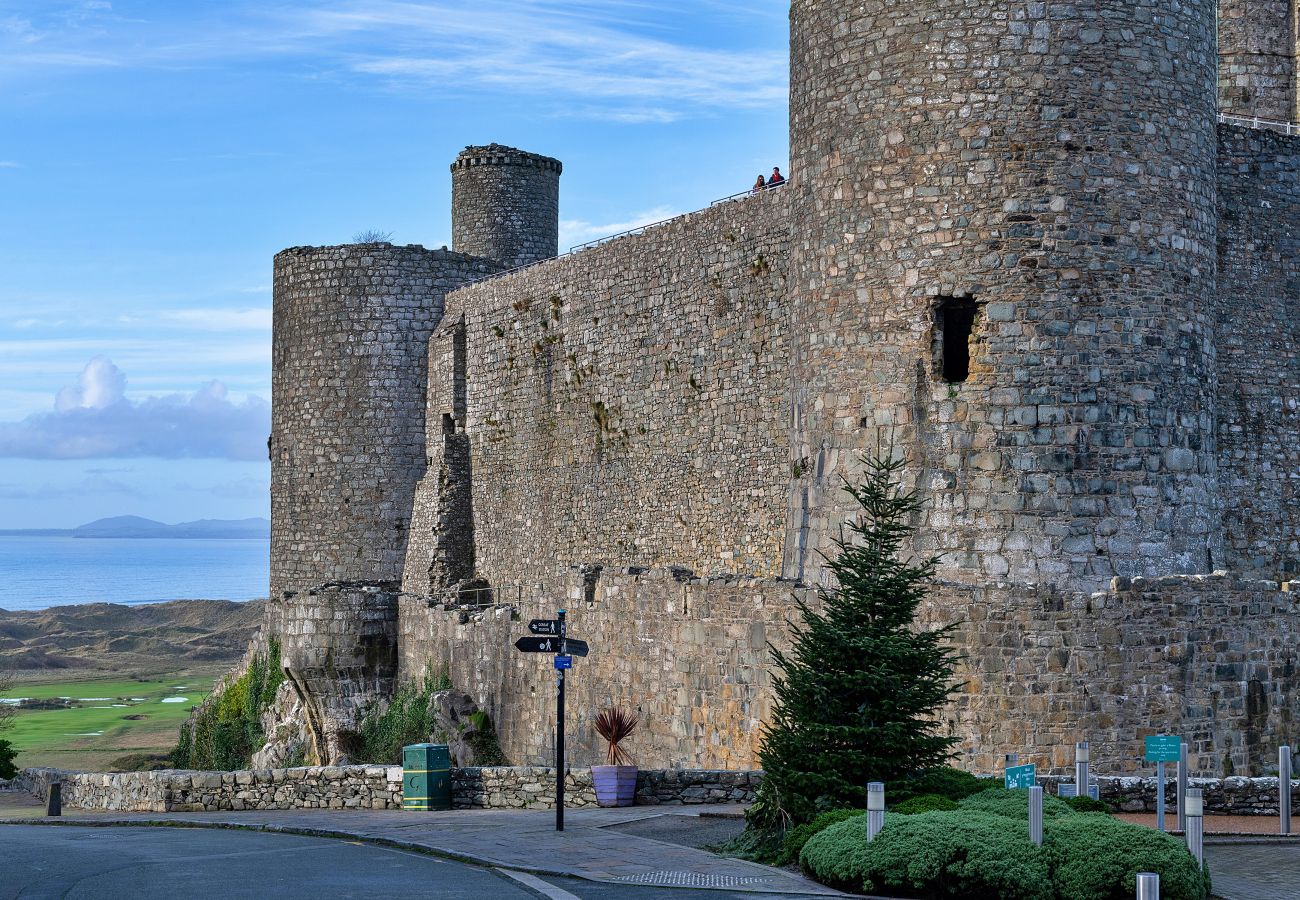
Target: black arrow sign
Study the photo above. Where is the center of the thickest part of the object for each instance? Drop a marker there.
(538, 644)
(544, 626)
(551, 645)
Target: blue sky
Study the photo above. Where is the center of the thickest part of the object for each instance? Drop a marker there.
(155, 155)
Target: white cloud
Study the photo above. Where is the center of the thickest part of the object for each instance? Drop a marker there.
(94, 419)
(577, 231)
(7, 164)
(634, 59)
(214, 319)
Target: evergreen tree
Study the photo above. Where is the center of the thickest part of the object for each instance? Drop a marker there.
(857, 696)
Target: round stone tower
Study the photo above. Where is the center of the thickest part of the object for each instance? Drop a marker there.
(1257, 59)
(1004, 261)
(349, 354)
(505, 205)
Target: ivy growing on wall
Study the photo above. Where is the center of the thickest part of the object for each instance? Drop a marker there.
(226, 730)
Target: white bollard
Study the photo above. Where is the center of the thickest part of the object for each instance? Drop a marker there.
(1081, 769)
(875, 809)
(1284, 789)
(1036, 815)
(1195, 804)
(1148, 886)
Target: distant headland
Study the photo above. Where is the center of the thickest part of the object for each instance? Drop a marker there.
(137, 527)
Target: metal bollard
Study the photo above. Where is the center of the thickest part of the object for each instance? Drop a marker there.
(1081, 768)
(1036, 815)
(875, 809)
(54, 799)
(1195, 824)
(1182, 786)
(1284, 789)
(1148, 886)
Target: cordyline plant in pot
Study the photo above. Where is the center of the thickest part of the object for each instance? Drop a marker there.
(616, 782)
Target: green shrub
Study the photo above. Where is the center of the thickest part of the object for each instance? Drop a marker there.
(226, 730)
(959, 854)
(7, 756)
(924, 804)
(796, 837)
(406, 720)
(1098, 858)
(1087, 805)
(1013, 804)
(141, 762)
(943, 781)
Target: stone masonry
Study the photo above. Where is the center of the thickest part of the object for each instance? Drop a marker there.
(1016, 249)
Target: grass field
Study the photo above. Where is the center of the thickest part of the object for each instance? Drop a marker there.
(111, 717)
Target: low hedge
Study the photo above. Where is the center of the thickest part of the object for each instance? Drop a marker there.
(1014, 804)
(796, 837)
(924, 804)
(973, 853)
(944, 781)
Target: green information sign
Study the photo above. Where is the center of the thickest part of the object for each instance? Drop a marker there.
(1164, 748)
(1021, 776)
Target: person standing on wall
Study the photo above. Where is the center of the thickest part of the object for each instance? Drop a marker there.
(777, 178)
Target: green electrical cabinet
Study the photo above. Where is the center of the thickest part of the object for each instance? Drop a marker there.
(426, 777)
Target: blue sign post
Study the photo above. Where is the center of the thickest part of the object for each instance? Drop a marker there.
(1160, 749)
(1021, 776)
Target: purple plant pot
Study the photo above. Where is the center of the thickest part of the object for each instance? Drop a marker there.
(615, 785)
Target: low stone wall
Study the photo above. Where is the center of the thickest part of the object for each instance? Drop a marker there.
(320, 787)
(534, 787)
(1223, 796)
(365, 787)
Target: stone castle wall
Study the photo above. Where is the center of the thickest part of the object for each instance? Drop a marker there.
(1257, 59)
(624, 404)
(948, 152)
(1258, 344)
(352, 326)
(1213, 658)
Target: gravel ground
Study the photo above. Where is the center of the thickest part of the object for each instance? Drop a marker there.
(1216, 824)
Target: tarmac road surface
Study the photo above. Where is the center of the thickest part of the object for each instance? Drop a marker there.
(175, 863)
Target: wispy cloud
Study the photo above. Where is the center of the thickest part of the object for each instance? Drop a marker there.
(577, 231)
(628, 55)
(6, 164)
(214, 319)
(91, 485)
(93, 419)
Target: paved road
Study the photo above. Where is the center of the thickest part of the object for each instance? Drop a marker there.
(178, 863)
(1255, 871)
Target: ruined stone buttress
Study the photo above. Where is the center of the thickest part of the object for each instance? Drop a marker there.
(1049, 254)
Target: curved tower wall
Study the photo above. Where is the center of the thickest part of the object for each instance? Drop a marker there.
(1052, 166)
(505, 205)
(352, 326)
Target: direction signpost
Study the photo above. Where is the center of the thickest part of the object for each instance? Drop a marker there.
(551, 636)
(1160, 749)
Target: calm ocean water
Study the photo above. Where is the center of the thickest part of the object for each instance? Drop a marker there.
(36, 572)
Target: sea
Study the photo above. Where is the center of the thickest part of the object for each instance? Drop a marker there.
(38, 572)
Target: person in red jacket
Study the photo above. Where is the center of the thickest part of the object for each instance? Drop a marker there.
(777, 178)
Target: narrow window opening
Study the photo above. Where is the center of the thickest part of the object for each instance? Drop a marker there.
(448, 423)
(956, 321)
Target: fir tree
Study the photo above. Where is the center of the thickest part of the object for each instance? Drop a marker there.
(858, 694)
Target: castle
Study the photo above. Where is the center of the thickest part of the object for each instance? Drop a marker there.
(1023, 245)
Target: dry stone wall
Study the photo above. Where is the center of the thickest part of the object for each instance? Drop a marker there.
(954, 152)
(1234, 796)
(366, 787)
(1258, 343)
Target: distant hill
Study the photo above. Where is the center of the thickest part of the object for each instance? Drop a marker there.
(137, 527)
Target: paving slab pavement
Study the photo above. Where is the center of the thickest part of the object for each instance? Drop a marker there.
(523, 840)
